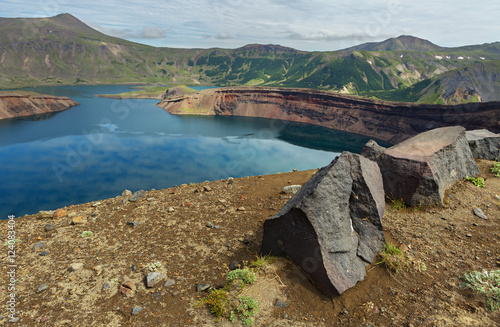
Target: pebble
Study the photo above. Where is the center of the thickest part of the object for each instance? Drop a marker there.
(134, 224)
(209, 225)
(42, 288)
(222, 201)
(169, 283)
(49, 227)
(478, 212)
(96, 204)
(216, 226)
(171, 209)
(234, 265)
(280, 304)
(127, 193)
(136, 310)
(207, 188)
(71, 214)
(78, 221)
(61, 230)
(133, 267)
(154, 278)
(75, 266)
(202, 287)
(469, 235)
(45, 214)
(291, 189)
(106, 286)
(230, 180)
(44, 253)
(39, 245)
(137, 196)
(59, 213)
(241, 209)
(150, 199)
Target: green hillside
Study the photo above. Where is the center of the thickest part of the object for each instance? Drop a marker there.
(62, 50)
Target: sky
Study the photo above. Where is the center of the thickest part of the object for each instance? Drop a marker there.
(313, 25)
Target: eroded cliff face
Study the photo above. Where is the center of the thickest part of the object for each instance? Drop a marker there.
(23, 104)
(389, 121)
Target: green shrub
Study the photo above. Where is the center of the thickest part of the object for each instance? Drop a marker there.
(242, 276)
(218, 302)
(479, 181)
(486, 283)
(496, 169)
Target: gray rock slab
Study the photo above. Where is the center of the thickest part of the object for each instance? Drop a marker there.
(420, 169)
(332, 227)
(484, 144)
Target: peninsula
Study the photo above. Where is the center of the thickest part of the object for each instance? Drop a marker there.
(389, 121)
(15, 104)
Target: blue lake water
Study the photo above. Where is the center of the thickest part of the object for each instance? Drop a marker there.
(96, 150)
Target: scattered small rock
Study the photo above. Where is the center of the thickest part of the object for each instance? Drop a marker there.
(150, 199)
(280, 304)
(61, 230)
(202, 287)
(59, 213)
(294, 170)
(241, 209)
(154, 278)
(469, 235)
(137, 196)
(291, 189)
(134, 224)
(39, 245)
(75, 266)
(50, 227)
(71, 214)
(230, 180)
(209, 225)
(96, 204)
(169, 283)
(136, 310)
(171, 209)
(45, 214)
(79, 220)
(127, 193)
(133, 267)
(106, 286)
(234, 265)
(44, 253)
(216, 226)
(126, 287)
(478, 212)
(42, 288)
(207, 188)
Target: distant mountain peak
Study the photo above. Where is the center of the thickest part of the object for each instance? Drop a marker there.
(400, 43)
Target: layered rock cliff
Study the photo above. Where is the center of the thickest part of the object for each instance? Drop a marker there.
(389, 121)
(23, 104)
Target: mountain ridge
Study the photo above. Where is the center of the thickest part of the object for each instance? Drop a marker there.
(62, 50)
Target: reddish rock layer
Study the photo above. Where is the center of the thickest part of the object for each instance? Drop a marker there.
(23, 104)
(389, 121)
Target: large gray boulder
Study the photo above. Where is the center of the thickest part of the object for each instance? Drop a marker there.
(420, 169)
(484, 144)
(332, 227)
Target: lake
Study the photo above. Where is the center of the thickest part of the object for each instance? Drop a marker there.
(104, 146)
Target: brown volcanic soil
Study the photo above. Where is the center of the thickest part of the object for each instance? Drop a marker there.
(450, 240)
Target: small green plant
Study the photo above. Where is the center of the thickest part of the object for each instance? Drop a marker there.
(479, 181)
(397, 204)
(262, 262)
(86, 233)
(11, 243)
(247, 309)
(496, 169)
(218, 302)
(153, 266)
(394, 258)
(241, 276)
(486, 283)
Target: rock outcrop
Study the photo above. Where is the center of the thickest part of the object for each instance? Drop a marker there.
(389, 121)
(484, 144)
(24, 104)
(332, 226)
(420, 169)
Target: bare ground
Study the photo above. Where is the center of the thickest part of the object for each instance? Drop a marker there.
(450, 240)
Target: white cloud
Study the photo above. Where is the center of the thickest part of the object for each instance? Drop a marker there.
(306, 25)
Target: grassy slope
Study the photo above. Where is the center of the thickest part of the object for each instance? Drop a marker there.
(151, 92)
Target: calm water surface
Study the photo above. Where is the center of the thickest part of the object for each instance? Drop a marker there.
(96, 150)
